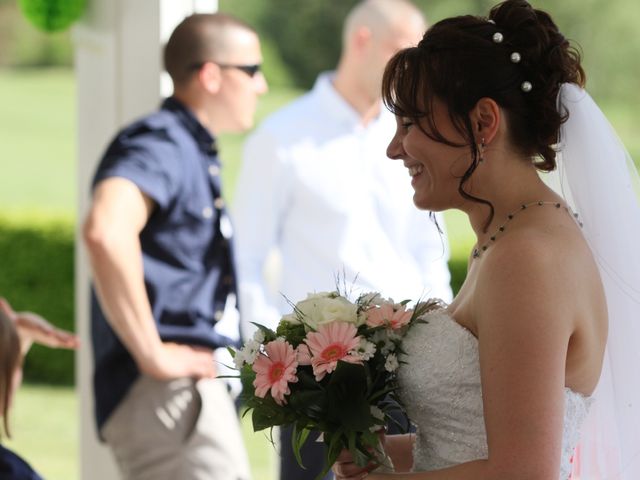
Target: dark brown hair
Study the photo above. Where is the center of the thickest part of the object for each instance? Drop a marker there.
(458, 62)
(199, 38)
(9, 362)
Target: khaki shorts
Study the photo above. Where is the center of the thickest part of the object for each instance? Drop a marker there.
(177, 430)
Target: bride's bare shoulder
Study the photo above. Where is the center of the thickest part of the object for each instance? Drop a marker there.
(549, 264)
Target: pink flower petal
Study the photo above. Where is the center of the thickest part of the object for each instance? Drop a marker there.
(275, 369)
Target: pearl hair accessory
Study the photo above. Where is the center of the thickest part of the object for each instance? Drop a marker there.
(514, 57)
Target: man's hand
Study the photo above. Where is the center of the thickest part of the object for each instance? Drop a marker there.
(32, 327)
(173, 360)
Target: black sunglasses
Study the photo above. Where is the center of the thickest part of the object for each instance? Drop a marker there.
(250, 70)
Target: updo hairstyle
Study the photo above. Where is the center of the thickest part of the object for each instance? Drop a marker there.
(459, 62)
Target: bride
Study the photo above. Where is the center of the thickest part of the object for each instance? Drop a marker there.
(537, 346)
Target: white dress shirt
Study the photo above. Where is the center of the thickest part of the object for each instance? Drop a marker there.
(317, 185)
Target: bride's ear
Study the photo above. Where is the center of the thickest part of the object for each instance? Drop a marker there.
(485, 118)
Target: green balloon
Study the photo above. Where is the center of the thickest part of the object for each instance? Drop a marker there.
(52, 15)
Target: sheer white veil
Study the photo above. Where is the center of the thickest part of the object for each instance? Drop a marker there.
(598, 179)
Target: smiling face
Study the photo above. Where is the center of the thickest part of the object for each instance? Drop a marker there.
(435, 167)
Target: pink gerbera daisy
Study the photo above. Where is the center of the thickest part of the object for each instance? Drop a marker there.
(275, 370)
(332, 342)
(387, 314)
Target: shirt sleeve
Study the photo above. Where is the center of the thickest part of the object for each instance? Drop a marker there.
(150, 160)
(259, 208)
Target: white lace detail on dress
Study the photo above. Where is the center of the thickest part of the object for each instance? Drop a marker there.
(440, 387)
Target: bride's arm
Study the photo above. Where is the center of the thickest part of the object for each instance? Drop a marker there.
(523, 308)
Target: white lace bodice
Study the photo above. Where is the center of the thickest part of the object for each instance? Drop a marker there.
(440, 386)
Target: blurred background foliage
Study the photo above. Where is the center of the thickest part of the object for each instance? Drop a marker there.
(308, 34)
(303, 38)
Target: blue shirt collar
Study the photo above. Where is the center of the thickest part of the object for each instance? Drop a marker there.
(203, 137)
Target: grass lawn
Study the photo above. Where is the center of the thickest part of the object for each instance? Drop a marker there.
(37, 143)
(44, 428)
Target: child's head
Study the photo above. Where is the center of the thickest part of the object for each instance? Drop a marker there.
(10, 371)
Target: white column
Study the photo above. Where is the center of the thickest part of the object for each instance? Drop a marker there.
(118, 74)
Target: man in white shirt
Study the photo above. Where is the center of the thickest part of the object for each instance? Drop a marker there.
(316, 185)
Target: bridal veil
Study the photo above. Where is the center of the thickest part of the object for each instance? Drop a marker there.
(598, 179)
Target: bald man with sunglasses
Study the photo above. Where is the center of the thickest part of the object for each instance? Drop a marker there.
(164, 285)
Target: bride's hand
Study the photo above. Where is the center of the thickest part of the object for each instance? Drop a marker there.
(346, 469)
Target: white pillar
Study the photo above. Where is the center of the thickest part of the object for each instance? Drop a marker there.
(118, 74)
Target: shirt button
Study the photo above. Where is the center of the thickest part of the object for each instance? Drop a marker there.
(218, 203)
(217, 316)
(207, 212)
(214, 170)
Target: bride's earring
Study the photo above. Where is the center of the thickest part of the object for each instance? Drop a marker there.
(482, 145)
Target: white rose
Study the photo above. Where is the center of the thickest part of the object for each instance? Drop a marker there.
(291, 318)
(320, 309)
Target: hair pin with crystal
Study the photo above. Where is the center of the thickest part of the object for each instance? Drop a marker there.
(526, 86)
(498, 37)
(515, 57)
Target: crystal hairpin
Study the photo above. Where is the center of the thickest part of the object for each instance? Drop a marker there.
(498, 37)
(515, 57)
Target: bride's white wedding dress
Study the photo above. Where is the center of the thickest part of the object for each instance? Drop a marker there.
(440, 387)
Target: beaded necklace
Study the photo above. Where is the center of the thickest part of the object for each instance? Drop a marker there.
(477, 251)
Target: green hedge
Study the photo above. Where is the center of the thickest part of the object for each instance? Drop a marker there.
(36, 273)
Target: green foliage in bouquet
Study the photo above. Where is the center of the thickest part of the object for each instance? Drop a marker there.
(329, 367)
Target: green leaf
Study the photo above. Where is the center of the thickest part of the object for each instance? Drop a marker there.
(335, 442)
(298, 438)
(267, 416)
(306, 379)
(312, 404)
(347, 397)
(247, 376)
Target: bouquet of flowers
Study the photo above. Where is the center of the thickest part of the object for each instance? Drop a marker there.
(328, 367)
